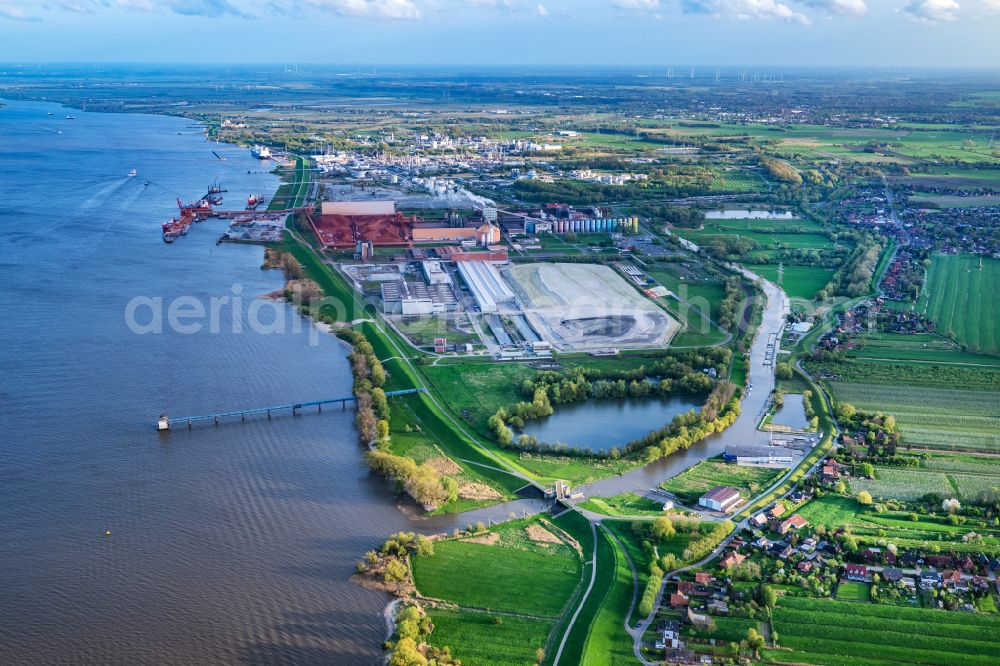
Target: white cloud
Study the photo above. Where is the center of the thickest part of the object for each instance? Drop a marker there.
(637, 4)
(932, 11)
(13, 13)
(384, 9)
(992, 5)
(841, 7)
(542, 11)
(745, 10)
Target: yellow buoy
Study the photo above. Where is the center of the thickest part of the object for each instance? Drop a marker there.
(107, 532)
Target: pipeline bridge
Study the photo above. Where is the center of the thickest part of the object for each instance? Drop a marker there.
(166, 423)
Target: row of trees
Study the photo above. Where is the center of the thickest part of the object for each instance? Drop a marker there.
(422, 482)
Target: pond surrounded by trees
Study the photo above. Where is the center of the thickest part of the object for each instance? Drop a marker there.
(602, 424)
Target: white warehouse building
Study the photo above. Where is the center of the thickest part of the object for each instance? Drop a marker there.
(487, 285)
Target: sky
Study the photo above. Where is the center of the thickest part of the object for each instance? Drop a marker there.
(892, 33)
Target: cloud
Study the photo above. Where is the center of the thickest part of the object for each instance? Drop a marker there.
(14, 13)
(637, 4)
(542, 11)
(932, 11)
(207, 8)
(840, 7)
(399, 10)
(210, 8)
(746, 10)
(992, 5)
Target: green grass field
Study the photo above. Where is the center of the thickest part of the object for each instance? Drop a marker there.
(478, 575)
(797, 281)
(872, 634)
(851, 591)
(767, 233)
(695, 481)
(625, 504)
(476, 639)
(961, 298)
(608, 644)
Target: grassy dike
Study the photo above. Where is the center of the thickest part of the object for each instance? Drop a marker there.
(345, 307)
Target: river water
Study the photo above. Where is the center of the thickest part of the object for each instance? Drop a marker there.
(228, 545)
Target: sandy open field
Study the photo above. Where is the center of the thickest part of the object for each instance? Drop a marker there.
(587, 306)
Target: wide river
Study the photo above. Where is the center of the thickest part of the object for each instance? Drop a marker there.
(228, 545)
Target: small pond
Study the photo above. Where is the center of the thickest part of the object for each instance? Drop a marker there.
(792, 413)
(602, 424)
(749, 215)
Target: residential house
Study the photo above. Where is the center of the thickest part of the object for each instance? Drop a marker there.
(732, 560)
(718, 607)
(670, 635)
(704, 578)
(793, 522)
(857, 573)
(892, 575)
(678, 600)
(930, 579)
(698, 619)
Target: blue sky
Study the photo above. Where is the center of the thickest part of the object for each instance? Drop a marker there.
(923, 33)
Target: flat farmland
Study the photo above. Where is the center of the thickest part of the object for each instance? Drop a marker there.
(918, 348)
(872, 634)
(932, 417)
(904, 483)
(797, 281)
(961, 297)
(476, 639)
(956, 178)
(792, 234)
(481, 574)
(695, 481)
(875, 529)
(954, 201)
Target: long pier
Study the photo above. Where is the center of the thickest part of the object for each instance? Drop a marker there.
(165, 422)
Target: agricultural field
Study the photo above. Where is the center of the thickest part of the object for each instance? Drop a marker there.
(482, 639)
(768, 234)
(917, 348)
(935, 418)
(738, 182)
(963, 477)
(953, 201)
(951, 178)
(904, 483)
(961, 297)
(871, 528)
(834, 633)
(695, 481)
(798, 281)
(477, 572)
